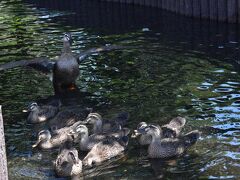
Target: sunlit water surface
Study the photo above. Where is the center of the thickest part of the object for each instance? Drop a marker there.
(173, 66)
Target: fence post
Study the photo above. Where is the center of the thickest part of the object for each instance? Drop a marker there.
(3, 157)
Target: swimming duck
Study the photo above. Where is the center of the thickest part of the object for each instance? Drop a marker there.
(48, 140)
(68, 117)
(87, 142)
(38, 114)
(104, 126)
(66, 68)
(168, 147)
(170, 130)
(106, 149)
(67, 162)
(174, 127)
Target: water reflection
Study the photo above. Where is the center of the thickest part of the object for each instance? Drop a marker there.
(170, 71)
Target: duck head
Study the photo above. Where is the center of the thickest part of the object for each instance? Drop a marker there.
(153, 130)
(140, 126)
(67, 38)
(79, 129)
(43, 135)
(93, 118)
(33, 107)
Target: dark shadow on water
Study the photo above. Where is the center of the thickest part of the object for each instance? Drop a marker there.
(218, 40)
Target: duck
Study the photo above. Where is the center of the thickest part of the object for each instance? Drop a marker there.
(105, 150)
(174, 127)
(170, 130)
(68, 117)
(38, 114)
(67, 162)
(49, 140)
(87, 142)
(105, 126)
(66, 68)
(168, 147)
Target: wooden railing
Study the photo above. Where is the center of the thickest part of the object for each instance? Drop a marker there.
(3, 158)
(220, 10)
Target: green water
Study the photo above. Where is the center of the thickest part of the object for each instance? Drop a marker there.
(173, 66)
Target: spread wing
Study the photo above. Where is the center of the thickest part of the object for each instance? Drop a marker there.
(46, 65)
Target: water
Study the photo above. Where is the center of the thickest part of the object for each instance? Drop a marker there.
(172, 66)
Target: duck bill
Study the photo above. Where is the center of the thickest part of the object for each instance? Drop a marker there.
(135, 134)
(36, 144)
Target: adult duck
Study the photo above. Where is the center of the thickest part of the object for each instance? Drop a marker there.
(66, 68)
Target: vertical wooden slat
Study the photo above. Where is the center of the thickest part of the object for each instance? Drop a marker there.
(159, 3)
(141, 2)
(177, 6)
(182, 7)
(188, 8)
(163, 4)
(238, 11)
(3, 157)
(222, 10)
(213, 5)
(232, 11)
(205, 9)
(196, 8)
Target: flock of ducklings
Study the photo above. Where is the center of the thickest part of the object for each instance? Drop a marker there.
(107, 138)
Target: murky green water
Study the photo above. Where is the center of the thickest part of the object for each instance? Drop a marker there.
(175, 66)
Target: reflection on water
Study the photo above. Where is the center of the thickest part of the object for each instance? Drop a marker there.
(175, 66)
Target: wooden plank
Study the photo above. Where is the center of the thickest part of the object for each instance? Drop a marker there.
(182, 7)
(238, 11)
(159, 4)
(173, 7)
(141, 2)
(188, 8)
(163, 4)
(3, 157)
(232, 11)
(204, 9)
(196, 8)
(222, 10)
(213, 11)
(129, 1)
(154, 3)
(177, 6)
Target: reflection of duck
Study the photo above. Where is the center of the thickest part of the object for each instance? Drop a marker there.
(168, 147)
(100, 125)
(67, 162)
(66, 69)
(170, 130)
(87, 142)
(42, 113)
(106, 149)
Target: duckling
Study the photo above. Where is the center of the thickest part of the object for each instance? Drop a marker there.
(106, 149)
(104, 126)
(174, 127)
(68, 117)
(46, 140)
(168, 147)
(87, 142)
(170, 130)
(66, 68)
(40, 114)
(67, 162)
(143, 139)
